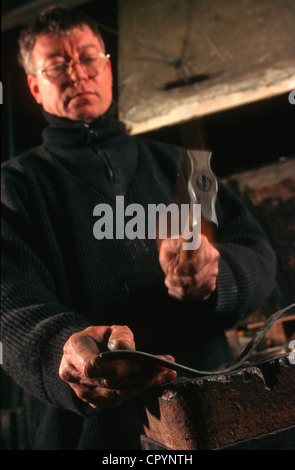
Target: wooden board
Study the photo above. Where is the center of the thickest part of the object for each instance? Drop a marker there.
(245, 47)
(269, 193)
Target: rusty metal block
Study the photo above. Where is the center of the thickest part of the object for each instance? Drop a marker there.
(217, 411)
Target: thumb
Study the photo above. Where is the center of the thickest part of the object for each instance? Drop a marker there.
(121, 337)
(82, 352)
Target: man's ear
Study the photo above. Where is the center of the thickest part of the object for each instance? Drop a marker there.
(110, 71)
(34, 87)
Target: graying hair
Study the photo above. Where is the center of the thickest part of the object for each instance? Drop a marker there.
(56, 20)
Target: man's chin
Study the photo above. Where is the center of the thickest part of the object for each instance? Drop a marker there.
(85, 114)
(85, 111)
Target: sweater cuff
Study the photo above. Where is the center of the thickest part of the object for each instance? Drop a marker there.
(58, 392)
(226, 293)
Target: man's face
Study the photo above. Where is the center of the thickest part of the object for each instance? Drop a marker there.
(79, 98)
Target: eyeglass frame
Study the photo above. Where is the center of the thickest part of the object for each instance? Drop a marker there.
(70, 65)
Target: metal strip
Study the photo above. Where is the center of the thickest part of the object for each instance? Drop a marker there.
(127, 353)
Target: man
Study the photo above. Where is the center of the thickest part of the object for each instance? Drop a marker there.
(66, 293)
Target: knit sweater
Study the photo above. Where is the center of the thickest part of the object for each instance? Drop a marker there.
(58, 278)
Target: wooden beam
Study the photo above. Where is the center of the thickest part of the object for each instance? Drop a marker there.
(241, 51)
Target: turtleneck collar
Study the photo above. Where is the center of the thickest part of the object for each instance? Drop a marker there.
(101, 153)
(63, 133)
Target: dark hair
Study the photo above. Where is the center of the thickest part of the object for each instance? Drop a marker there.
(57, 20)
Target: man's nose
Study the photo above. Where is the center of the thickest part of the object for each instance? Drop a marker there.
(76, 72)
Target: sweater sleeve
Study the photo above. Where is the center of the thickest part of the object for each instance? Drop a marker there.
(34, 324)
(247, 265)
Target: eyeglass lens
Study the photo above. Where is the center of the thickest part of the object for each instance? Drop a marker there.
(92, 66)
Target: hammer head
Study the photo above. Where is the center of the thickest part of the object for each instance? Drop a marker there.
(202, 184)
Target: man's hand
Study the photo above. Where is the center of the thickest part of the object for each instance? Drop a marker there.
(103, 383)
(193, 279)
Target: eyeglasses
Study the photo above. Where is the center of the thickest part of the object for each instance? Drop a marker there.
(59, 72)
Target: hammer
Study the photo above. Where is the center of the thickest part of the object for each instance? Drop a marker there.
(202, 189)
